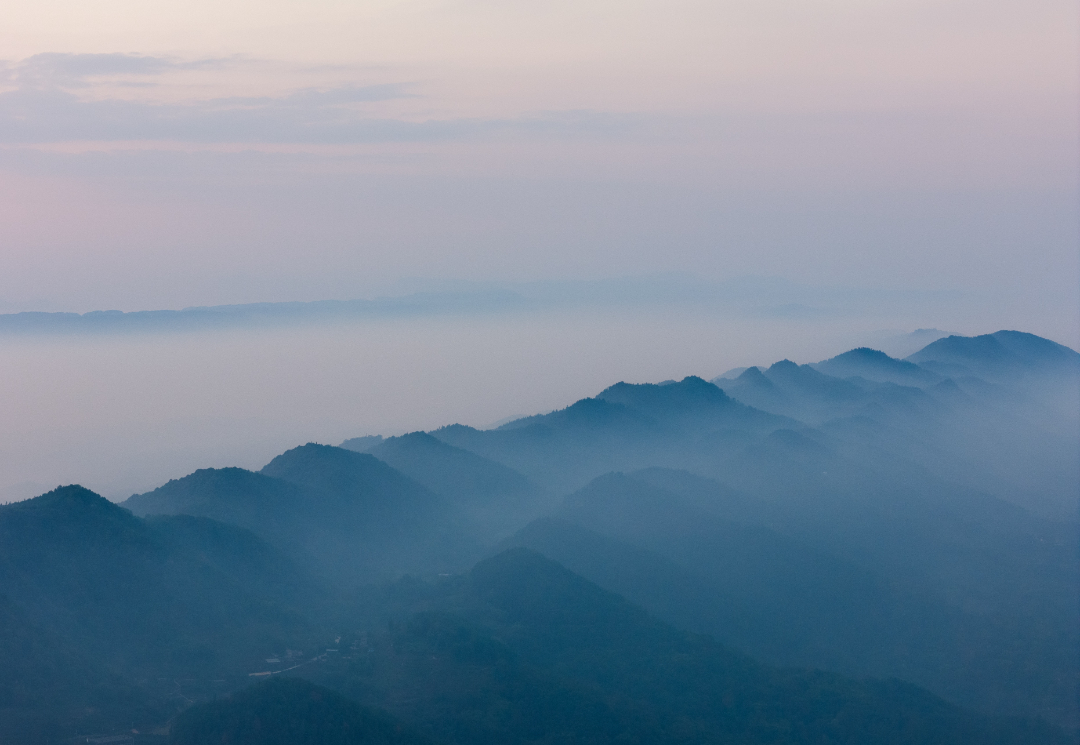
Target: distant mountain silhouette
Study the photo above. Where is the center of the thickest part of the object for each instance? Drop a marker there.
(800, 392)
(810, 383)
(692, 401)
(362, 444)
(355, 488)
(874, 365)
(1004, 353)
(348, 516)
(255, 501)
(496, 496)
(624, 427)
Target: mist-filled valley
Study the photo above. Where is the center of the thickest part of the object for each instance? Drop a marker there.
(865, 549)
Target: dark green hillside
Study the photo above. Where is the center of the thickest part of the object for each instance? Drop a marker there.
(533, 653)
(865, 519)
(288, 711)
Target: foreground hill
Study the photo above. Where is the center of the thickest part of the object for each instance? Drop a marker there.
(131, 619)
(524, 650)
(97, 599)
(288, 711)
(48, 689)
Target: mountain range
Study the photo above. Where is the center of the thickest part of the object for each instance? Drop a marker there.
(864, 549)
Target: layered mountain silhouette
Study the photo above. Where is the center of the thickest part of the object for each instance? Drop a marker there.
(697, 555)
(346, 515)
(871, 364)
(862, 549)
(618, 429)
(491, 493)
(1004, 354)
(523, 650)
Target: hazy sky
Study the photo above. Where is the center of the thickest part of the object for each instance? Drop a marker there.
(832, 168)
(158, 155)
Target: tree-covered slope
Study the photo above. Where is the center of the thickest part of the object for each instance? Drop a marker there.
(525, 651)
(288, 711)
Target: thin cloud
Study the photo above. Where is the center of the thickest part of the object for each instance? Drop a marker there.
(33, 115)
(56, 69)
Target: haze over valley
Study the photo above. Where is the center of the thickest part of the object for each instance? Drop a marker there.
(858, 549)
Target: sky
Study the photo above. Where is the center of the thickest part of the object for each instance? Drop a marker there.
(165, 155)
(682, 187)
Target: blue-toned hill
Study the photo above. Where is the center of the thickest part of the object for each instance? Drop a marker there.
(874, 365)
(1003, 354)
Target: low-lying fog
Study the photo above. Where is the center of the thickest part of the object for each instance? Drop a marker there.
(124, 413)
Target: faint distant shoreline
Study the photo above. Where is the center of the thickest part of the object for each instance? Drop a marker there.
(257, 314)
(762, 298)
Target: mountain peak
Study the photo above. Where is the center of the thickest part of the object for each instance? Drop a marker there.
(754, 377)
(1003, 352)
(865, 353)
(73, 509)
(784, 365)
(314, 456)
(690, 391)
(875, 365)
(213, 492)
(415, 440)
(71, 498)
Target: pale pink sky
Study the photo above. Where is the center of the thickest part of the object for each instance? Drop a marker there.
(173, 154)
